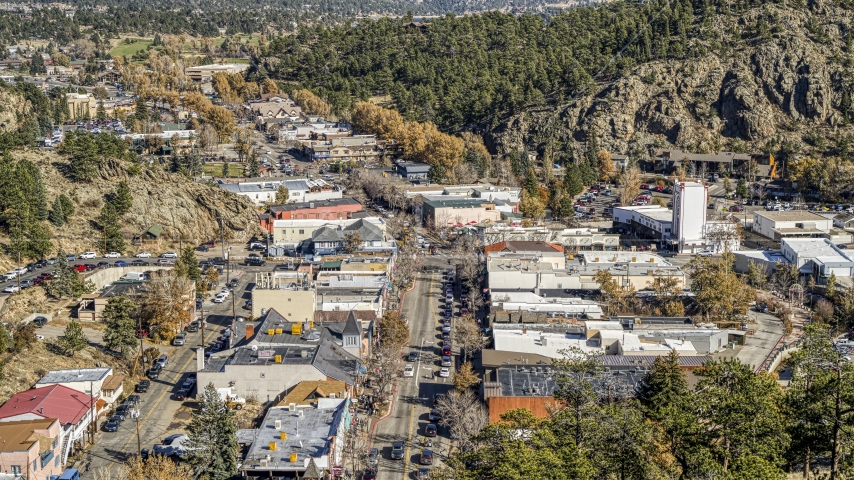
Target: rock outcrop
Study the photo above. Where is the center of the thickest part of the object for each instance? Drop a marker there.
(786, 86)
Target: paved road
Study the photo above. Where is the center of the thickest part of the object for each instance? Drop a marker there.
(769, 329)
(414, 395)
(160, 415)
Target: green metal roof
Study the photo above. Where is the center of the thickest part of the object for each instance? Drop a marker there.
(330, 265)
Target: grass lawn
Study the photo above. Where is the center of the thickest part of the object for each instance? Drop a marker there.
(235, 60)
(235, 170)
(123, 49)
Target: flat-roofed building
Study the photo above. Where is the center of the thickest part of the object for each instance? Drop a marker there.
(777, 225)
(204, 73)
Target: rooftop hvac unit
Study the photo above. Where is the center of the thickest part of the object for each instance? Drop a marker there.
(264, 462)
(293, 458)
(278, 424)
(292, 406)
(283, 435)
(272, 445)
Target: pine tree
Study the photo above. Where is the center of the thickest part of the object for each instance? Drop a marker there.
(122, 200)
(101, 112)
(254, 169)
(68, 208)
(73, 341)
(108, 220)
(225, 169)
(189, 264)
(531, 184)
(573, 182)
(120, 333)
(66, 283)
(213, 437)
(141, 113)
(55, 216)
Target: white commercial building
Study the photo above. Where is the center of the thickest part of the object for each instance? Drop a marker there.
(684, 229)
(797, 223)
(299, 190)
(531, 302)
(817, 257)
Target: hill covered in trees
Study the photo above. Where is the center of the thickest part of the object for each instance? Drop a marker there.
(631, 76)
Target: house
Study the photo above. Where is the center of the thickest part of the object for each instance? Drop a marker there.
(458, 211)
(295, 441)
(31, 448)
(777, 225)
(109, 76)
(99, 382)
(844, 221)
(204, 73)
(150, 235)
(291, 233)
(277, 354)
(74, 409)
(413, 171)
(331, 240)
(279, 109)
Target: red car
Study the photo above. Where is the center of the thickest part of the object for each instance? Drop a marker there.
(644, 186)
(46, 276)
(79, 268)
(446, 350)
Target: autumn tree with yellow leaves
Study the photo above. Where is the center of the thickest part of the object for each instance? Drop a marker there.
(310, 103)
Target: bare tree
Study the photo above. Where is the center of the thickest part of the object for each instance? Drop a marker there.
(725, 234)
(464, 415)
(630, 181)
(384, 369)
(356, 441)
(468, 335)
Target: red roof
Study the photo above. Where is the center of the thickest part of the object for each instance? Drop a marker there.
(55, 401)
(523, 246)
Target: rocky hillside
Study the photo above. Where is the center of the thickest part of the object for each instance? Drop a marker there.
(12, 109)
(185, 209)
(783, 85)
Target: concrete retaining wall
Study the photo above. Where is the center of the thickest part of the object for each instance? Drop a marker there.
(106, 276)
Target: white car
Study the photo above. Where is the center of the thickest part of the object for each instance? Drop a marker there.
(169, 255)
(112, 255)
(445, 372)
(12, 274)
(223, 293)
(408, 371)
(12, 288)
(218, 299)
(20, 270)
(143, 255)
(88, 255)
(706, 253)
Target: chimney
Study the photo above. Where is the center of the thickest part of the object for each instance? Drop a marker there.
(524, 331)
(200, 359)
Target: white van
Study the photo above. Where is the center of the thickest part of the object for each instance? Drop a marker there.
(136, 276)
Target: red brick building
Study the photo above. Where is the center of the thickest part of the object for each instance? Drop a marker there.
(333, 209)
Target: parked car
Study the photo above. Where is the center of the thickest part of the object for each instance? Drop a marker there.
(667, 253)
(397, 451)
(88, 255)
(121, 263)
(408, 371)
(706, 253)
(169, 255)
(142, 386)
(162, 361)
(70, 257)
(11, 288)
(112, 255)
(413, 356)
(202, 248)
(143, 255)
(446, 361)
(179, 339)
(40, 321)
(445, 372)
(111, 425)
(154, 372)
(430, 430)
(138, 263)
(426, 457)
